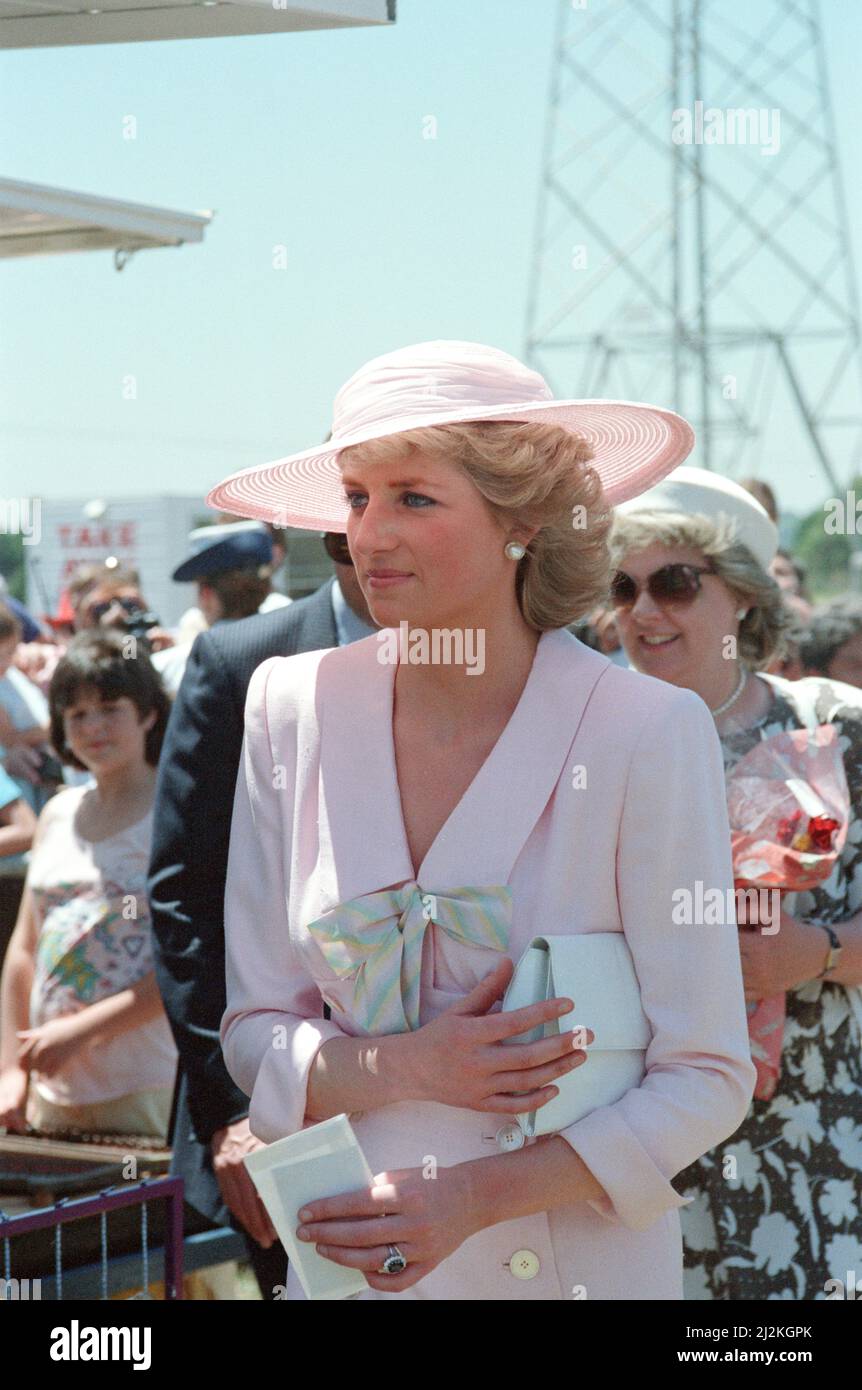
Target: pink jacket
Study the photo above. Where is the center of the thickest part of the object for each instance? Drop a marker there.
(317, 822)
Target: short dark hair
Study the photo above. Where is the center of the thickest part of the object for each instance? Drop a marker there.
(762, 493)
(240, 591)
(828, 628)
(100, 659)
(798, 567)
(102, 577)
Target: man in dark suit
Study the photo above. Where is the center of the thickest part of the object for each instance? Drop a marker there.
(188, 867)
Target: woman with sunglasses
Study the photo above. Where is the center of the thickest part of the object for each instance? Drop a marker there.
(695, 606)
(403, 829)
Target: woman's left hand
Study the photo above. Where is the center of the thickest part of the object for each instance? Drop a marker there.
(427, 1217)
(47, 1049)
(773, 962)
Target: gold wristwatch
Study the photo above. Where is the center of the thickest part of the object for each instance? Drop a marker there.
(835, 949)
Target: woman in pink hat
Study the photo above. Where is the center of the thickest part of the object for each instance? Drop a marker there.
(411, 810)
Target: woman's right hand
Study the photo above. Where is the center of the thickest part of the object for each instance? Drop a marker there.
(14, 1083)
(461, 1058)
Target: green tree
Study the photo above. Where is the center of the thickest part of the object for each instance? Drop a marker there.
(12, 564)
(827, 556)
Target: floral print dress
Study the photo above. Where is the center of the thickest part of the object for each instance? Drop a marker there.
(790, 1220)
(94, 941)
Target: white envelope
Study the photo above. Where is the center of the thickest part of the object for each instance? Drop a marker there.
(323, 1160)
(596, 971)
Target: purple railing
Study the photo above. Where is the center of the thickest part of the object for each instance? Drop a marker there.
(111, 1199)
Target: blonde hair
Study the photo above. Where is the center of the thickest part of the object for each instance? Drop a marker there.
(763, 632)
(530, 474)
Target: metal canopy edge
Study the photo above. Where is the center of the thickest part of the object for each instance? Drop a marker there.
(38, 220)
(55, 23)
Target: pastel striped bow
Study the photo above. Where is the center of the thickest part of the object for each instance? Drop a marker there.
(382, 933)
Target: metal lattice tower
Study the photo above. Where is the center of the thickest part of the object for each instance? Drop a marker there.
(706, 275)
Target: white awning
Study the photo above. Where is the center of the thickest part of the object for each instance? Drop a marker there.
(40, 221)
(50, 23)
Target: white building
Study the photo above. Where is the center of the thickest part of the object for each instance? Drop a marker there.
(150, 534)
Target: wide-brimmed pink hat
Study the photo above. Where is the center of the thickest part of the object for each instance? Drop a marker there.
(441, 383)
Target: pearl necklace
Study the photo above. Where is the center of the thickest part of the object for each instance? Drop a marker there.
(731, 699)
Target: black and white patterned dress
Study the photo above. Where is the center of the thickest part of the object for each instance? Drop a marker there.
(791, 1218)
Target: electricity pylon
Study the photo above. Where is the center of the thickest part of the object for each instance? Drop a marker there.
(692, 243)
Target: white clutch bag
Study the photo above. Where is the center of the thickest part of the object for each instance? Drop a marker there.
(324, 1160)
(596, 971)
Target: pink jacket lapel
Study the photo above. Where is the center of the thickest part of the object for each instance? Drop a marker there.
(362, 839)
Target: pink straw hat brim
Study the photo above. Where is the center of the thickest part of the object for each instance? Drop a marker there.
(634, 446)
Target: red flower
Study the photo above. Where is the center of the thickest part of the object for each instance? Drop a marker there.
(821, 830)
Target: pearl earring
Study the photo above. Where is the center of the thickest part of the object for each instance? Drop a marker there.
(742, 612)
(515, 550)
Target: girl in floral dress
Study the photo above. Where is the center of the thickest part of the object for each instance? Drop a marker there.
(85, 1043)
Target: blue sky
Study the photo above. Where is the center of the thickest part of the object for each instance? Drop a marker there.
(313, 141)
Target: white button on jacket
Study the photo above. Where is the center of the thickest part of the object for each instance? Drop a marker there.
(510, 1137)
(524, 1264)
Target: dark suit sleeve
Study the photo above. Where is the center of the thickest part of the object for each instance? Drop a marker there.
(188, 867)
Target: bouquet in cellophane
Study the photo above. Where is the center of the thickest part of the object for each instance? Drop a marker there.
(788, 805)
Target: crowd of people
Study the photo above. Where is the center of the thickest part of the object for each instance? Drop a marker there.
(117, 789)
(85, 1043)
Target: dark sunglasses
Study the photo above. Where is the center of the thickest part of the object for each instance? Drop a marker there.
(674, 584)
(130, 605)
(335, 545)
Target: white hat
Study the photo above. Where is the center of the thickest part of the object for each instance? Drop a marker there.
(699, 491)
